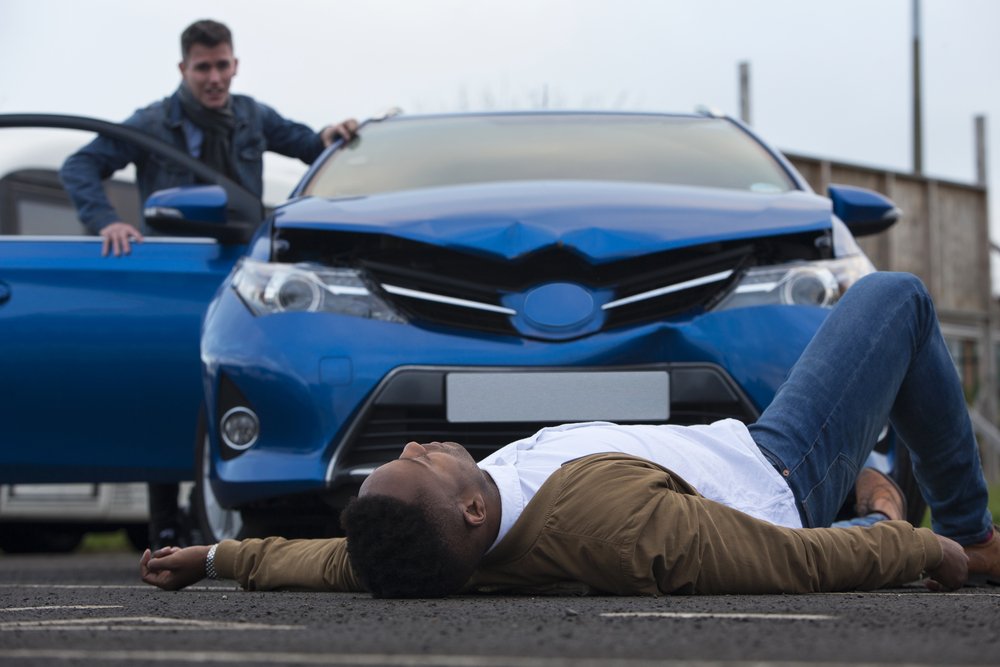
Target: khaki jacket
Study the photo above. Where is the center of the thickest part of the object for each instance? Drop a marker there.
(618, 524)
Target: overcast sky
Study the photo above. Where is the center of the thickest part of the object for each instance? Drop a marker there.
(829, 78)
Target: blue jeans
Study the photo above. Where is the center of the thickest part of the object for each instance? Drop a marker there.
(878, 358)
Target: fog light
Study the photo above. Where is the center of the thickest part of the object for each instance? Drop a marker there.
(240, 428)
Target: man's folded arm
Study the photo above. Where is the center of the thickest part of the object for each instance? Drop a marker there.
(276, 563)
(711, 548)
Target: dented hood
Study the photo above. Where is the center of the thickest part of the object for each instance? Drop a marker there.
(603, 221)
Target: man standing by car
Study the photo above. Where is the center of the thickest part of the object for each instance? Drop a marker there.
(229, 133)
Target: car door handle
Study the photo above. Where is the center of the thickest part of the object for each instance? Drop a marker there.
(4, 293)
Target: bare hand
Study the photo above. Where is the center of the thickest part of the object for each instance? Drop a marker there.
(346, 130)
(118, 237)
(173, 568)
(953, 570)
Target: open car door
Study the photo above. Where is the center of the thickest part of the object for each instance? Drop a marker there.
(99, 356)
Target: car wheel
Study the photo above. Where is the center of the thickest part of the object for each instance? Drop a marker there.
(215, 521)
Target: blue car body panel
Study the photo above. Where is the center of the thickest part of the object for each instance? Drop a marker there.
(601, 221)
(100, 357)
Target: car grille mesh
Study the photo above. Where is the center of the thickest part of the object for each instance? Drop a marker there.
(386, 429)
(486, 280)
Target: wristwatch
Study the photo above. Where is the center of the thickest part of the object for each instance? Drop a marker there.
(210, 563)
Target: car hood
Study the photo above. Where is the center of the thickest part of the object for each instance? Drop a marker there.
(601, 221)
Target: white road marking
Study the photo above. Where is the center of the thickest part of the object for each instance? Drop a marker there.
(388, 660)
(138, 623)
(65, 606)
(970, 591)
(724, 615)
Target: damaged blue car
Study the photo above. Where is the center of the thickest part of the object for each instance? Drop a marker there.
(476, 277)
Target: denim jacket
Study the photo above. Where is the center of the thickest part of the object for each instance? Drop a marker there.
(258, 128)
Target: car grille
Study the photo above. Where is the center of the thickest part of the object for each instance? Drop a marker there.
(408, 406)
(386, 430)
(457, 291)
(438, 286)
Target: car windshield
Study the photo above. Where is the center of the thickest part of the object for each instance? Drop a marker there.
(423, 152)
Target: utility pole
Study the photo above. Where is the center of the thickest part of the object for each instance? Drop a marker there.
(745, 92)
(981, 168)
(918, 135)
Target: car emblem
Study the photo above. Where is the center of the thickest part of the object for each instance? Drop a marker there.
(558, 306)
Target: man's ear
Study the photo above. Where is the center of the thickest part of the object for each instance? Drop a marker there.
(474, 511)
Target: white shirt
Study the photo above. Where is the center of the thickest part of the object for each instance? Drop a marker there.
(720, 460)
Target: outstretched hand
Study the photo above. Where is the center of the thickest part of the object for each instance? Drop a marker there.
(173, 568)
(953, 571)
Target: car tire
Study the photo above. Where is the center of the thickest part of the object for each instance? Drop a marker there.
(215, 522)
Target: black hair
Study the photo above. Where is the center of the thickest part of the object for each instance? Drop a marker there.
(401, 550)
(205, 32)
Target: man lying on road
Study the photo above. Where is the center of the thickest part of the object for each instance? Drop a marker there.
(648, 510)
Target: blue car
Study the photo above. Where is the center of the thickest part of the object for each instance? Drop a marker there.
(473, 278)
(476, 277)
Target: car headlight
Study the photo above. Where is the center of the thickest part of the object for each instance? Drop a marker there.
(819, 283)
(268, 287)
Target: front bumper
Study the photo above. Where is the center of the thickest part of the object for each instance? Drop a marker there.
(411, 403)
(337, 396)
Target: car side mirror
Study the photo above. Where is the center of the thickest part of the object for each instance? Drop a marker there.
(864, 211)
(195, 210)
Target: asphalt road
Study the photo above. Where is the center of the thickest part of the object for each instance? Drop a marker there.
(91, 609)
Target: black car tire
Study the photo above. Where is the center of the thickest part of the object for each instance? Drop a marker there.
(215, 522)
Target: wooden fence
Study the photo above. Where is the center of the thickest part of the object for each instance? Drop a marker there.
(942, 237)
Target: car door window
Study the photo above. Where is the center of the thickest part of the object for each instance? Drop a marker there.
(35, 204)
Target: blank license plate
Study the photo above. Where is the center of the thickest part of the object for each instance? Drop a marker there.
(558, 396)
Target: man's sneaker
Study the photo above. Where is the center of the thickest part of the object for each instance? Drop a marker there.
(984, 560)
(877, 492)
